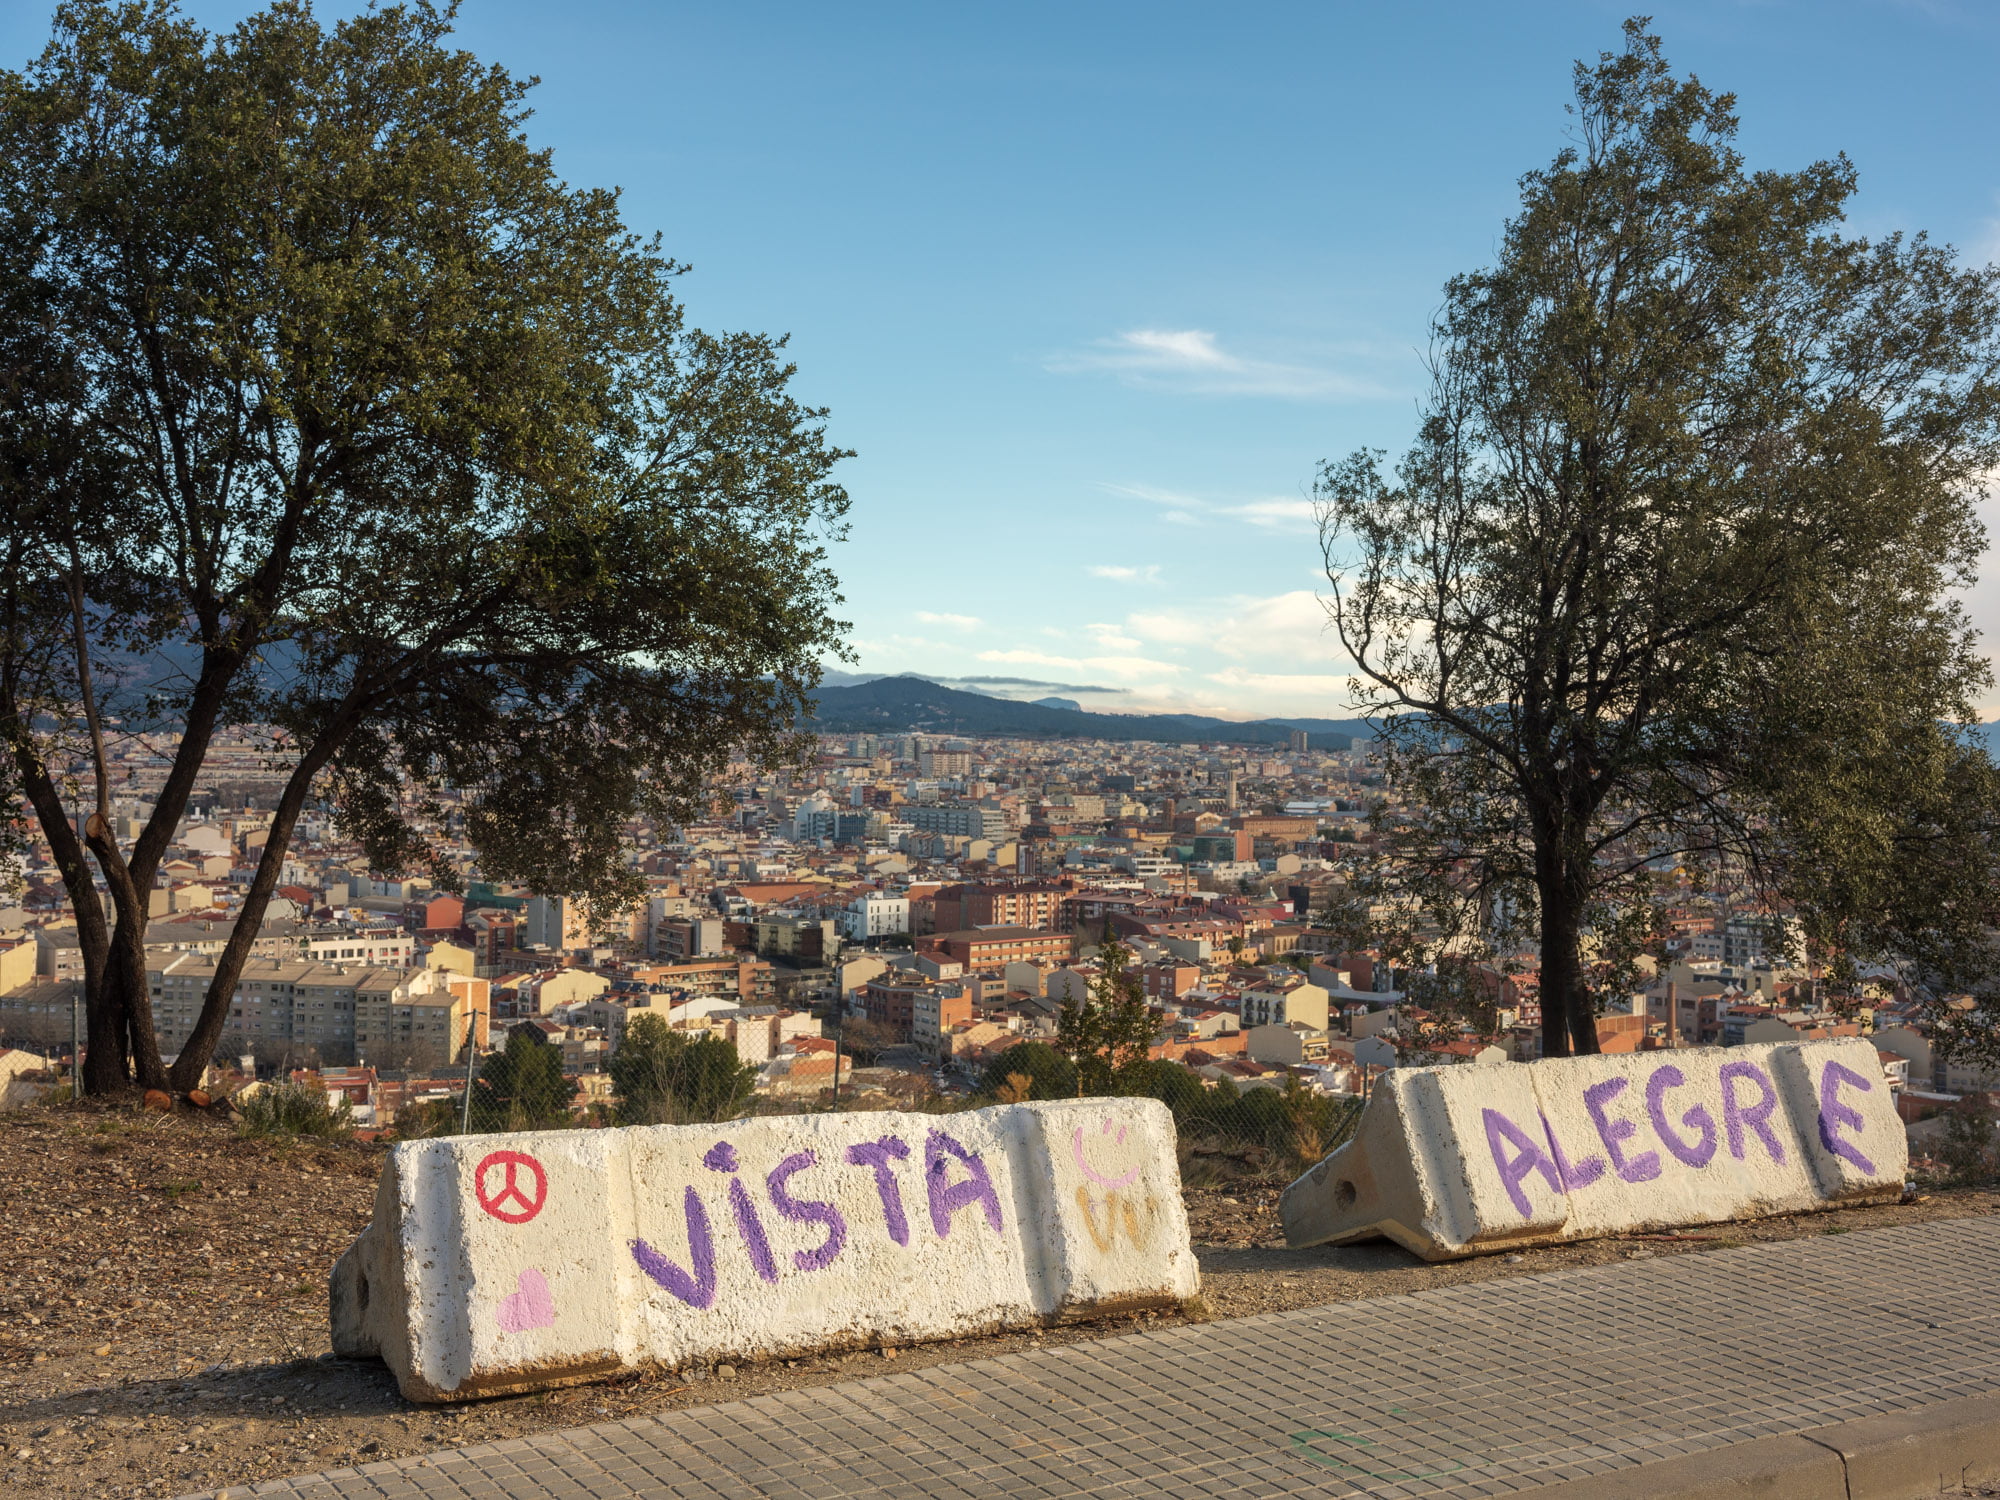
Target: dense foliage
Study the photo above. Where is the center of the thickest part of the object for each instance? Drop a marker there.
(666, 1077)
(1106, 1033)
(1291, 1120)
(326, 405)
(522, 1087)
(1667, 577)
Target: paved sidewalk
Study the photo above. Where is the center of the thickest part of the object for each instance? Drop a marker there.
(1474, 1390)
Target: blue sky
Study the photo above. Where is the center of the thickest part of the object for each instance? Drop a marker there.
(1093, 287)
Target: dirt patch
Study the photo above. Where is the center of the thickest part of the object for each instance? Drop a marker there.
(163, 1314)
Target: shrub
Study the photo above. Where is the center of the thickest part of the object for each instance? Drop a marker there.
(1966, 1150)
(1292, 1122)
(295, 1109)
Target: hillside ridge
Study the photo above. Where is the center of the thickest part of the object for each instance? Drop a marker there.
(902, 704)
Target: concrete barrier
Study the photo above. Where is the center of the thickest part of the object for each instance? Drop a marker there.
(505, 1263)
(1458, 1161)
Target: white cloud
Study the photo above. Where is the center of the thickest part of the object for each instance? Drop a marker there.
(1982, 599)
(1112, 638)
(1291, 624)
(956, 622)
(1191, 361)
(1118, 572)
(1271, 513)
(1116, 666)
(1155, 494)
(1172, 627)
(1291, 685)
(1277, 515)
(1185, 349)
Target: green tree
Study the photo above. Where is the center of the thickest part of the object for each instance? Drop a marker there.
(1050, 1075)
(1106, 1034)
(335, 412)
(1667, 572)
(662, 1077)
(522, 1087)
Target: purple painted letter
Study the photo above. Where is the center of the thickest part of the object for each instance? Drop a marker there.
(1529, 1159)
(1573, 1174)
(1833, 1114)
(948, 1199)
(879, 1155)
(1757, 1116)
(1642, 1168)
(807, 1211)
(1671, 1077)
(752, 1229)
(721, 1157)
(697, 1290)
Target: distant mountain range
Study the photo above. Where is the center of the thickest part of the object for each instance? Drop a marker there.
(894, 705)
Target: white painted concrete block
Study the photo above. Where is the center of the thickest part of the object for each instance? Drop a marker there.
(506, 1263)
(1459, 1161)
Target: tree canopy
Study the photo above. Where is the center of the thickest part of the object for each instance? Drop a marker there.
(522, 1087)
(1666, 578)
(327, 407)
(666, 1077)
(1106, 1034)
(1050, 1075)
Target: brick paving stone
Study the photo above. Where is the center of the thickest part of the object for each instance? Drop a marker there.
(1449, 1394)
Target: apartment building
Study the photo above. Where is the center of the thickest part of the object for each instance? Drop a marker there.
(554, 922)
(805, 936)
(341, 1008)
(996, 947)
(377, 943)
(944, 765)
(957, 907)
(935, 1009)
(1284, 1004)
(684, 939)
(966, 820)
(874, 914)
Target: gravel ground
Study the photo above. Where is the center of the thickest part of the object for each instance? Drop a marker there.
(163, 1314)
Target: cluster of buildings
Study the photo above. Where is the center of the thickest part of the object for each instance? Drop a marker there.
(916, 901)
(948, 893)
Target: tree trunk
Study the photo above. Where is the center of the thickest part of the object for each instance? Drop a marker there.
(1582, 1020)
(1569, 1021)
(126, 999)
(200, 1045)
(125, 974)
(1559, 968)
(105, 1035)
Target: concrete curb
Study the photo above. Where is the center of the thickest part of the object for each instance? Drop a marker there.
(1772, 1468)
(1924, 1451)
(1903, 1455)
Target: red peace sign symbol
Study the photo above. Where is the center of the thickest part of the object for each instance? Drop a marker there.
(511, 1203)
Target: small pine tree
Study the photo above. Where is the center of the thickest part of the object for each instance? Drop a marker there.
(1107, 1034)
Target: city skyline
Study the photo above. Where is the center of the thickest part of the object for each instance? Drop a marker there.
(1092, 293)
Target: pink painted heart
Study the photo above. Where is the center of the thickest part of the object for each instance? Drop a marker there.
(530, 1307)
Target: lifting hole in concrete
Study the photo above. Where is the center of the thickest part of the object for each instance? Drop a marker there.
(1343, 1197)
